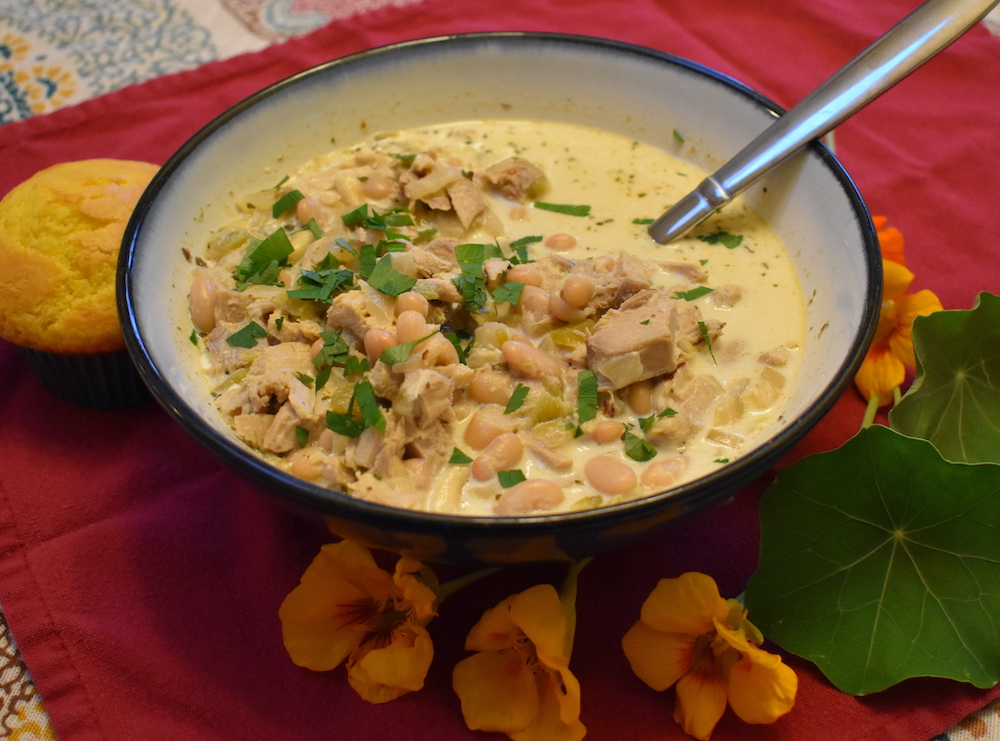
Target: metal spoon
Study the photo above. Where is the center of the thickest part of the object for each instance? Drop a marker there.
(904, 47)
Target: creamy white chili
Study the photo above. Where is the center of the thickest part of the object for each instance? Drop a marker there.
(472, 319)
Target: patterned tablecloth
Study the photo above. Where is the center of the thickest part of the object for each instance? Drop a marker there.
(56, 53)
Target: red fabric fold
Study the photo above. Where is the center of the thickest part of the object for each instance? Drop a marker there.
(141, 578)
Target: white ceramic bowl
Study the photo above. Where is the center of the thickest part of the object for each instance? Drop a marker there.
(809, 201)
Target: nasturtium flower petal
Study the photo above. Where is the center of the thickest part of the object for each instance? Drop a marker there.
(495, 630)
(415, 592)
(386, 673)
(890, 239)
(519, 682)
(687, 604)
(701, 701)
(896, 279)
(538, 613)
(550, 723)
(761, 687)
(909, 308)
(879, 374)
(347, 608)
(497, 691)
(701, 662)
(659, 659)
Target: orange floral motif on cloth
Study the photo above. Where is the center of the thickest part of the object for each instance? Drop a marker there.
(347, 608)
(519, 682)
(891, 353)
(690, 638)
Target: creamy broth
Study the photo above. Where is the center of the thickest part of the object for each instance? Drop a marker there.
(560, 308)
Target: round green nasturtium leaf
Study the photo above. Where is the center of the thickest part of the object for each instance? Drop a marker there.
(880, 561)
(954, 400)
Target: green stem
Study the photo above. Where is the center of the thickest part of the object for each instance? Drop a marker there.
(449, 588)
(567, 596)
(870, 411)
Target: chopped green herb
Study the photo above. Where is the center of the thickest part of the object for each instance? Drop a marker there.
(645, 321)
(367, 259)
(510, 478)
(455, 338)
(458, 457)
(313, 226)
(509, 293)
(516, 399)
(344, 425)
(386, 279)
(520, 249)
(399, 353)
(563, 208)
(646, 423)
(721, 460)
(194, 337)
(301, 436)
(405, 159)
(286, 202)
(678, 137)
(693, 294)
(354, 366)
(643, 221)
(323, 376)
(383, 222)
(371, 412)
(320, 285)
(472, 282)
(247, 337)
(638, 449)
(703, 262)
(335, 350)
(281, 182)
(306, 380)
(264, 260)
(727, 240)
(279, 322)
(703, 329)
(586, 406)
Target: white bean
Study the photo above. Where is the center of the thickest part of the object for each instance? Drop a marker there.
(560, 242)
(413, 301)
(607, 431)
(412, 325)
(529, 361)
(525, 274)
(577, 291)
(487, 424)
(501, 454)
(533, 495)
(490, 387)
(203, 299)
(376, 341)
(609, 475)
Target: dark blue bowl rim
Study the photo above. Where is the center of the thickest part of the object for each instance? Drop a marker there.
(700, 493)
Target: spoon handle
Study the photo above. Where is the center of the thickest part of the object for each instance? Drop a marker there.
(904, 47)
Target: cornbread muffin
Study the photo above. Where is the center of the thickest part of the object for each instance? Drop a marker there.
(60, 234)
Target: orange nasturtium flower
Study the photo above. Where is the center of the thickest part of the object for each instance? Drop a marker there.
(883, 370)
(691, 637)
(346, 607)
(519, 682)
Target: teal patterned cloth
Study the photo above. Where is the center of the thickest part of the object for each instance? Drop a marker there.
(55, 53)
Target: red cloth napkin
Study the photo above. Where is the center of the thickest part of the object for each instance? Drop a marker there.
(141, 578)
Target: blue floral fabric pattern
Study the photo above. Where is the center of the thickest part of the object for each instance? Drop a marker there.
(54, 54)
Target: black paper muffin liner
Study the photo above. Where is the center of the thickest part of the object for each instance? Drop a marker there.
(107, 381)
